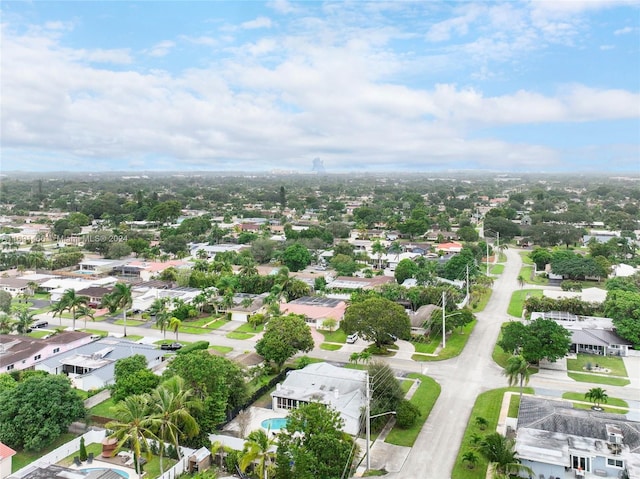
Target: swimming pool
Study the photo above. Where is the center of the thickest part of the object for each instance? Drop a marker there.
(117, 471)
(274, 423)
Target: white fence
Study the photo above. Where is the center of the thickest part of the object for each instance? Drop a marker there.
(94, 436)
(71, 447)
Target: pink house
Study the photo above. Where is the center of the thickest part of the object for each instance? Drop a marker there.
(316, 309)
(23, 352)
(6, 453)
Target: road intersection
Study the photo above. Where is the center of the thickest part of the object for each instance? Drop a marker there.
(462, 378)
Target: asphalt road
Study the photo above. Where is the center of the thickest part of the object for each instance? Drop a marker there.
(462, 378)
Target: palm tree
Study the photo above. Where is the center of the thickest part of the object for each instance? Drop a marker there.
(470, 458)
(174, 324)
(71, 301)
(6, 323)
(259, 448)
(597, 396)
(57, 309)
(85, 312)
(121, 297)
(517, 371)
(162, 321)
(133, 426)
(24, 319)
(171, 405)
(377, 248)
(520, 281)
(500, 453)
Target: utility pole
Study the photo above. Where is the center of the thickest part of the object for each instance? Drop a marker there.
(368, 426)
(468, 298)
(444, 313)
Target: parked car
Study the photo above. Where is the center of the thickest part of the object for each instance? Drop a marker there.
(352, 338)
(171, 346)
(40, 324)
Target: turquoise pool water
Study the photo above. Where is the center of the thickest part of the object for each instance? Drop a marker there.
(117, 471)
(274, 423)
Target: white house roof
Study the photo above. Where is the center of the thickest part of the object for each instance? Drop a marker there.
(341, 388)
(591, 295)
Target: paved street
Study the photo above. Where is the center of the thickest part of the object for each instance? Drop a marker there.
(461, 378)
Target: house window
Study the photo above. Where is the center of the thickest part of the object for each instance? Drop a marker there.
(38, 356)
(615, 463)
(580, 462)
(10, 367)
(56, 350)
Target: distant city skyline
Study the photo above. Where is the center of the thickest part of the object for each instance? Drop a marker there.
(370, 86)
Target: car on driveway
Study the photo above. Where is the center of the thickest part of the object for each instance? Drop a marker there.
(352, 338)
(170, 346)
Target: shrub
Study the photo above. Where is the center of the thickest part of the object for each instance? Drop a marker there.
(406, 414)
(193, 347)
(83, 450)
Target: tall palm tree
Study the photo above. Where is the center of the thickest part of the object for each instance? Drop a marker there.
(133, 426)
(377, 248)
(171, 406)
(57, 309)
(162, 321)
(71, 302)
(517, 371)
(597, 396)
(174, 324)
(85, 312)
(258, 448)
(500, 453)
(121, 297)
(24, 318)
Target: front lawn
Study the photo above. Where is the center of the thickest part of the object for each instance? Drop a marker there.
(428, 345)
(487, 405)
(222, 349)
(614, 364)
(424, 399)
(103, 409)
(620, 403)
(516, 305)
(497, 269)
(330, 346)
(480, 303)
(455, 344)
(247, 328)
(337, 336)
(598, 379)
(235, 335)
(24, 458)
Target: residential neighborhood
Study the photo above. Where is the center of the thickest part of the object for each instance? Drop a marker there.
(402, 328)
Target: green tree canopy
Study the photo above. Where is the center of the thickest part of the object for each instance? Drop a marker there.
(284, 336)
(537, 340)
(313, 445)
(37, 411)
(296, 257)
(376, 319)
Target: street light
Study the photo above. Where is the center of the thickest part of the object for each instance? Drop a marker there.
(484, 231)
(444, 317)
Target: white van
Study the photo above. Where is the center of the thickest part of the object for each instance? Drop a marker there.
(95, 337)
(352, 338)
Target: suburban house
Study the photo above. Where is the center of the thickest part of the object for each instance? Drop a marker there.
(6, 453)
(452, 247)
(339, 388)
(354, 282)
(146, 270)
(18, 352)
(589, 334)
(57, 286)
(212, 249)
(145, 295)
(556, 440)
(95, 294)
(245, 305)
(14, 286)
(99, 266)
(316, 309)
(91, 366)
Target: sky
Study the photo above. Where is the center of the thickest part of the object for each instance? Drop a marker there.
(365, 86)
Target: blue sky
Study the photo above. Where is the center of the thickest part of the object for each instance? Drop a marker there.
(371, 86)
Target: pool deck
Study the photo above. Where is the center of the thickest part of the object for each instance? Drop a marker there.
(107, 463)
(258, 414)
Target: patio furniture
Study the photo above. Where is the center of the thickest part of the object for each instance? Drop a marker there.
(76, 461)
(89, 458)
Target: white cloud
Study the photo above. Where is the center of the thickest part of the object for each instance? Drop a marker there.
(260, 22)
(623, 31)
(282, 6)
(161, 49)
